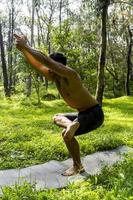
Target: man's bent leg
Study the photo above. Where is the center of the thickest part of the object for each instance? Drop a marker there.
(71, 143)
(71, 126)
(73, 148)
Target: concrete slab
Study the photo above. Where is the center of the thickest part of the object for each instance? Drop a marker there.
(48, 175)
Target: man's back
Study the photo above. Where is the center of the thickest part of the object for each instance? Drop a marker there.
(74, 93)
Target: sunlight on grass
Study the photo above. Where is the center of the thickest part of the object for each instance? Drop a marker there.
(29, 136)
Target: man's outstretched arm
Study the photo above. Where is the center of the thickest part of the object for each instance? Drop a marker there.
(34, 56)
(34, 62)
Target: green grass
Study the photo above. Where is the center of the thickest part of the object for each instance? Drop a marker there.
(28, 136)
(27, 133)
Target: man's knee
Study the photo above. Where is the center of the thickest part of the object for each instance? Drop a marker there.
(66, 138)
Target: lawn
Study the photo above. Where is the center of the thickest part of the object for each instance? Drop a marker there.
(28, 136)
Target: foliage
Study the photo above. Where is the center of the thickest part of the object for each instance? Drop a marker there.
(79, 47)
(77, 34)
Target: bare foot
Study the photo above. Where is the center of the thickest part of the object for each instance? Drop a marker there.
(70, 131)
(73, 171)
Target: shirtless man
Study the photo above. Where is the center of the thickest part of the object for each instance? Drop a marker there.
(70, 87)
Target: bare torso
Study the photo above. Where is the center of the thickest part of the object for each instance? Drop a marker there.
(74, 93)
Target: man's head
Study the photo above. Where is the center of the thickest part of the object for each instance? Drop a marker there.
(58, 57)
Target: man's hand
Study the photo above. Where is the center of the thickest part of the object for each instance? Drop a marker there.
(20, 41)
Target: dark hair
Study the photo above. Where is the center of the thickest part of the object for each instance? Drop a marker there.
(58, 57)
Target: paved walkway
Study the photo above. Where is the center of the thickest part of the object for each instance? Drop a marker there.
(48, 175)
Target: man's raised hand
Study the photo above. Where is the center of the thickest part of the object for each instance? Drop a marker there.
(20, 41)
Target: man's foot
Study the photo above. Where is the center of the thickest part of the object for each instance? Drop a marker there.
(73, 171)
(70, 131)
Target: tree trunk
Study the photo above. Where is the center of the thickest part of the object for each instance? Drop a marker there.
(10, 42)
(102, 57)
(29, 77)
(129, 63)
(4, 67)
(60, 14)
(28, 85)
(40, 27)
(14, 77)
(32, 23)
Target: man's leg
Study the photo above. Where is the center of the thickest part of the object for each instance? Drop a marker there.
(71, 143)
(73, 148)
(71, 126)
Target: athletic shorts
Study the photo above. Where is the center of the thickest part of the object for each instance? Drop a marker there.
(89, 119)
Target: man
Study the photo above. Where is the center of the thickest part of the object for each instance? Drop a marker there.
(70, 87)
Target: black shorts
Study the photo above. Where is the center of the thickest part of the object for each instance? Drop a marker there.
(89, 119)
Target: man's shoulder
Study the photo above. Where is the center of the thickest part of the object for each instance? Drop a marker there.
(71, 73)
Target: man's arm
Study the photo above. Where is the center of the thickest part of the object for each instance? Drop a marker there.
(41, 60)
(37, 65)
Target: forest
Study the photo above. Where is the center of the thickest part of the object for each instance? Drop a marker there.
(96, 36)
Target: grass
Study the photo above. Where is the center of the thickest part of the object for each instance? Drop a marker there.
(28, 136)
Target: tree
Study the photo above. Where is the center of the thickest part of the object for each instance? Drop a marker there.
(103, 6)
(29, 77)
(4, 67)
(119, 18)
(129, 62)
(10, 43)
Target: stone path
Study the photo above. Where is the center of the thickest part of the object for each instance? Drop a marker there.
(48, 175)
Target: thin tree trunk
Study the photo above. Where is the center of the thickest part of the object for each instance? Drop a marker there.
(60, 14)
(4, 67)
(28, 84)
(102, 57)
(10, 42)
(40, 26)
(49, 46)
(129, 63)
(32, 23)
(14, 78)
(29, 77)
